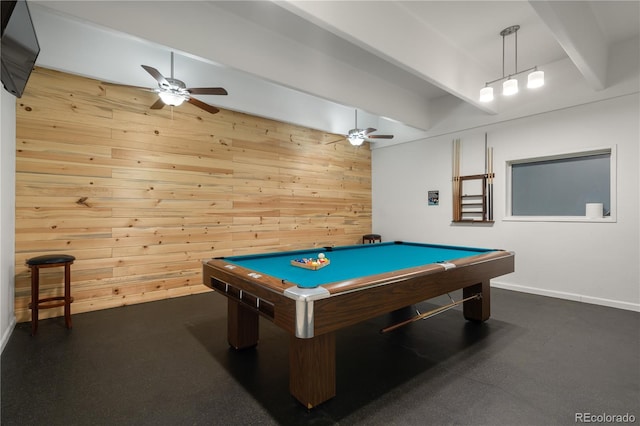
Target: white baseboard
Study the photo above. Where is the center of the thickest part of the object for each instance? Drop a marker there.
(568, 296)
(7, 333)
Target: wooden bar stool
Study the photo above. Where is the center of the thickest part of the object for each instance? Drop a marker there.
(371, 238)
(50, 261)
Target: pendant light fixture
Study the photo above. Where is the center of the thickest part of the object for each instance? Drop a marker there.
(510, 84)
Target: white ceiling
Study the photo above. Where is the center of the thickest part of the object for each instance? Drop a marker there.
(411, 68)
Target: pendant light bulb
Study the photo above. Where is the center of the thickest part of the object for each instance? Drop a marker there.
(510, 87)
(535, 79)
(486, 94)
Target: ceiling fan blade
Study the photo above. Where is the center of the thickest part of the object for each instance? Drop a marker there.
(158, 104)
(156, 74)
(207, 91)
(369, 130)
(202, 105)
(380, 137)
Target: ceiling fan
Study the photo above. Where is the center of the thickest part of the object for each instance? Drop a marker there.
(356, 136)
(174, 92)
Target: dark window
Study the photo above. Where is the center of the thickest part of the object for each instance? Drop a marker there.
(561, 186)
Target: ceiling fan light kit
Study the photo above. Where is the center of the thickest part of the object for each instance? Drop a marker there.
(510, 84)
(355, 139)
(170, 98)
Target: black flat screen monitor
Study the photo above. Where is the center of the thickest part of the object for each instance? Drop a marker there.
(20, 46)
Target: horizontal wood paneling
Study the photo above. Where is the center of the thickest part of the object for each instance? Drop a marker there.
(141, 197)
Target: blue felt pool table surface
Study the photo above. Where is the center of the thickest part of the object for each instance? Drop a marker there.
(350, 262)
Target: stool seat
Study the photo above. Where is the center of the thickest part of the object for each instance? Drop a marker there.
(371, 238)
(50, 261)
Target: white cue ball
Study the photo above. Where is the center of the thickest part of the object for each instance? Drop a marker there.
(321, 256)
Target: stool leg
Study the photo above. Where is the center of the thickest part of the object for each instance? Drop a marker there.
(67, 294)
(35, 284)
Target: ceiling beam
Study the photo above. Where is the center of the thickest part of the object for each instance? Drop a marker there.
(577, 30)
(390, 31)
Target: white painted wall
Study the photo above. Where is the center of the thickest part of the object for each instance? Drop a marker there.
(589, 262)
(7, 213)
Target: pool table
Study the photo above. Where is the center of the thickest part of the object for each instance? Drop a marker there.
(359, 282)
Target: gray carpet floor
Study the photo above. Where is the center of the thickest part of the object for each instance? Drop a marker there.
(537, 361)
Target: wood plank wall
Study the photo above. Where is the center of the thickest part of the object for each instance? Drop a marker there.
(140, 197)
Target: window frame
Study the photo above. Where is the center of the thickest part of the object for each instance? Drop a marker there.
(612, 218)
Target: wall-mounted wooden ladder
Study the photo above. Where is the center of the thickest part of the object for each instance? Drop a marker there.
(471, 203)
(473, 194)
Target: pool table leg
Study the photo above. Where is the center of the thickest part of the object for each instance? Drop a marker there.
(312, 369)
(242, 326)
(477, 309)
